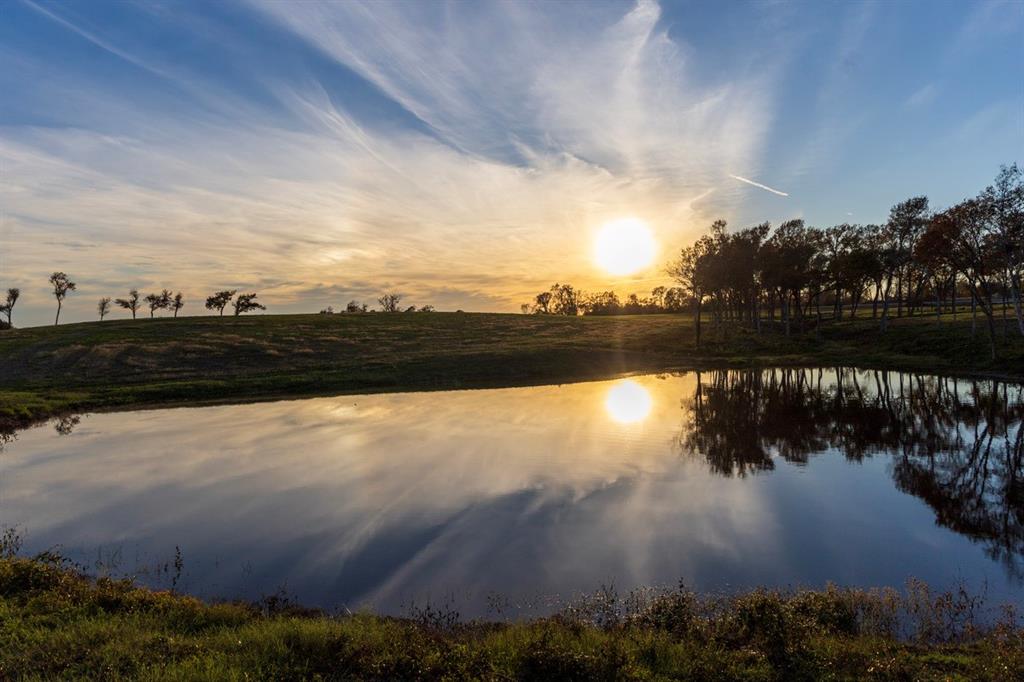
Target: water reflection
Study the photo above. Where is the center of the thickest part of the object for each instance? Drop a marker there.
(958, 445)
(735, 479)
(628, 402)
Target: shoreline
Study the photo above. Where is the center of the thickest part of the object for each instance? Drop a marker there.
(153, 364)
(61, 622)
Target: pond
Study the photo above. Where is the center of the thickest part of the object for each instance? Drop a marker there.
(509, 500)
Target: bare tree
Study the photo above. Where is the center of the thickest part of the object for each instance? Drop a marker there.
(177, 303)
(220, 300)
(7, 308)
(355, 307)
(131, 303)
(62, 285)
(103, 307)
(159, 301)
(389, 302)
(247, 302)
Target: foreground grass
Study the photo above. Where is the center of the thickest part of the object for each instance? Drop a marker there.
(54, 622)
(116, 364)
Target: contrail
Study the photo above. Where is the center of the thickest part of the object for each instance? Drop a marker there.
(758, 184)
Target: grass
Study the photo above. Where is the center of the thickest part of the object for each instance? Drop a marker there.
(120, 364)
(55, 622)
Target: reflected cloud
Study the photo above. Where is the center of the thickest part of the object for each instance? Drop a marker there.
(378, 499)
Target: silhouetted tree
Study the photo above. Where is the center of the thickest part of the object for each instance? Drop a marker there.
(604, 303)
(542, 303)
(355, 307)
(7, 308)
(220, 300)
(964, 234)
(907, 220)
(103, 307)
(177, 303)
(62, 285)
(565, 300)
(131, 303)
(427, 309)
(159, 301)
(1004, 202)
(246, 303)
(389, 302)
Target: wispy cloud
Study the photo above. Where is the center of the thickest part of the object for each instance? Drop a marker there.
(539, 124)
(759, 185)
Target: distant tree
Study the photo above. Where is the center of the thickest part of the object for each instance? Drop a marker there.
(329, 310)
(131, 303)
(566, 300)
(62, 285)
(524, 308)
(542, 303)
(427, 309)
(159, 301)
(246, 303)
(604, 303)
(355, 307)
(7, 308)
(675, 299)
(389, 302)
(177, 303)
(220, 300)
(103, 307)
(411, 309)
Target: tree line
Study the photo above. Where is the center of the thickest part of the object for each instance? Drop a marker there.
(915, 259)
(62, 285)
(564, 299)
(389, 303)
(795, 275)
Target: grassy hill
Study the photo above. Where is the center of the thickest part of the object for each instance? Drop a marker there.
(128, 363)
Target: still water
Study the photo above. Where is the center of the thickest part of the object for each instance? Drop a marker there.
(723, 479)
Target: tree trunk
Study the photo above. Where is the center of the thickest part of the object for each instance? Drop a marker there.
(974, 314)
(56, 321)
(1015, 281)
(899, 295)
(697, 321)
(785, 311)
(885, 305)
(990, 315)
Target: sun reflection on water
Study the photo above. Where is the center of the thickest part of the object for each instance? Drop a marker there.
(628, 402)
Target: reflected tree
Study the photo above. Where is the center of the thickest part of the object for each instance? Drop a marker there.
(956, 444)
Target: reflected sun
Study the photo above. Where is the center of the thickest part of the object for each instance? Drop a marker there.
(628, 402)
(624, 246)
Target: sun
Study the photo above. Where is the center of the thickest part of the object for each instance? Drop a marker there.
(624, 246)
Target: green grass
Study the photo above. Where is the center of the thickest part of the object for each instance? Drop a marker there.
(54, 622)
(121, 364)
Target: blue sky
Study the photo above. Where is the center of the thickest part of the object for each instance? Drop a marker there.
(465, 153)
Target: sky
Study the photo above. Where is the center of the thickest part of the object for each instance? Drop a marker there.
(465, 154)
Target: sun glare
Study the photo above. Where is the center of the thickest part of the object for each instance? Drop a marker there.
(624, 246)
(628, 402)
